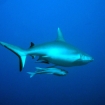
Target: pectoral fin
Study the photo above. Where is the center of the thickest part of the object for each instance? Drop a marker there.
(31, 74)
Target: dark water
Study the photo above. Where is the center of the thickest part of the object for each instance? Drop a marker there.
(83, 25)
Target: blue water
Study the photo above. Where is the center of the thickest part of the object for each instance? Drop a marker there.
(82, 23)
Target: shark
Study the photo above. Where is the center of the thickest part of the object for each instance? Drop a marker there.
(57, 52)
(49, 70)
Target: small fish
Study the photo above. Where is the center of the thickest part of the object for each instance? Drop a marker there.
(50, 70)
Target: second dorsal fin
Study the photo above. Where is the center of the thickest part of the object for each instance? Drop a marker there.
(32, 44)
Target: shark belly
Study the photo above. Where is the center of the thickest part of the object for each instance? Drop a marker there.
(64, 60)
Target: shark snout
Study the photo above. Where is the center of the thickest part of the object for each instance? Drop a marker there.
(87, 58)
(92, 59)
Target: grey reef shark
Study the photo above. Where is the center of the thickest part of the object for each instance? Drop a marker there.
(57, 52)
(49, 70)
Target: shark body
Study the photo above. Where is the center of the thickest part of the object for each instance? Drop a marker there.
(50, 70)
(57, 52)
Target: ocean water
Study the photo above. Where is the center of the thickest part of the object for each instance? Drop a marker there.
(82, 23)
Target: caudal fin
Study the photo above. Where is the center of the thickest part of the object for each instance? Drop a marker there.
(18, 51)
(31, 74)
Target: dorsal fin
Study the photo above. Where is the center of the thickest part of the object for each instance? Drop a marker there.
(32, 44)
(60, 35)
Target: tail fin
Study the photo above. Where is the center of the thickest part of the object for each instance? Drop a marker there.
(18, 51)
(31, 74)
